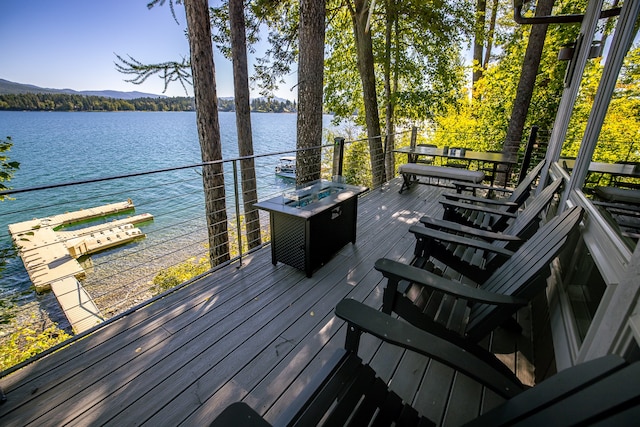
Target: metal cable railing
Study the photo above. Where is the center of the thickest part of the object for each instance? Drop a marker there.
(170, 248)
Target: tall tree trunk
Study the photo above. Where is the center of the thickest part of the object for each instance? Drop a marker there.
(204, 90)
(365, 60)
(389, 125)
(310, 89)
(527, 80)
(478, 42)
(243, 121)
(490, 34)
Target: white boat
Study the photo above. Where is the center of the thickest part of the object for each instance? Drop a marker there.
(286, 167)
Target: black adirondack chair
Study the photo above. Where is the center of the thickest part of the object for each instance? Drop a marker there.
(516, 195)
(436, 303)
(477, 253)
(347, 392)
(487, 213)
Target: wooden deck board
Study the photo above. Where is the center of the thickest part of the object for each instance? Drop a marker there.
(257, 333)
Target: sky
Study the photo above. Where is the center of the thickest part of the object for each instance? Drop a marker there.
(72, 44)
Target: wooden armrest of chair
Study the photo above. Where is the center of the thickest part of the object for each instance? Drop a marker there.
(320, 393)
(450, 226)
(398, 271)
(602, 390)
(461, 186)
(479, 208)
(474, 199)
(473, 361)
(422, 232)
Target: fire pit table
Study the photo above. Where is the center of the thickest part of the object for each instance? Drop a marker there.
(309, 224)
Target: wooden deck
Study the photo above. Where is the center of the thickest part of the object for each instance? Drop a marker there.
(256, 333)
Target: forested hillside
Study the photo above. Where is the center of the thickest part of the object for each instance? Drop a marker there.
(67, 102)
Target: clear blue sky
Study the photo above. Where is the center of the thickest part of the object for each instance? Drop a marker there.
(72, 44)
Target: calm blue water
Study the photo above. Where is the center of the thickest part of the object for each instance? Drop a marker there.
(60, 147)
(57, 147)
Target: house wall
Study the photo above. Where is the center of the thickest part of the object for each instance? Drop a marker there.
(592, 294)
(602, 270)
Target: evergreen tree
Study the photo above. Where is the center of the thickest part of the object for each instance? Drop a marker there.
(7, 167)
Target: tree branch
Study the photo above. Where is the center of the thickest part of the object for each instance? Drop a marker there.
(170, 71)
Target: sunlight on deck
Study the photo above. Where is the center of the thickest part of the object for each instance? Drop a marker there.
(257, 333)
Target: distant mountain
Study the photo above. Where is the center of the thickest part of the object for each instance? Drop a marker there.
(12, 88)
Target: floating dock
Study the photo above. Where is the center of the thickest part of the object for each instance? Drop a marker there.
(50, 255)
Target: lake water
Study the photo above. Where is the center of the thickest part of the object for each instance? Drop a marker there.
(58, 147)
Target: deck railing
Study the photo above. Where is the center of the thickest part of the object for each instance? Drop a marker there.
(172, 244)
(172, 247)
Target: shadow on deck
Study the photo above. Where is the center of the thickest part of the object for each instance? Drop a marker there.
(257, 333)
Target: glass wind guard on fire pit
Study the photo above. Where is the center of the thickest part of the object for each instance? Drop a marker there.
(311, 192)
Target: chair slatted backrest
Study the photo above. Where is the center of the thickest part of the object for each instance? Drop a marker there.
(491, 221)
(526, 223)
(523, 190)
(523, 226)
(534, 206)
(520, 274)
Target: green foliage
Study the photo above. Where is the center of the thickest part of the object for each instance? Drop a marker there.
(221, 30)
(180, 273)
(65, 102)
(356, 166)
(426, 41)
(265, 105)
(481, 124)
(234, 239)
(26, 342)
(496, 91)
(69, 102)
(618, 139)
(426, 45)
(356, 169)
(282, 20)
(171, 71)
(177, 274)
(424, 56)
(7, 168)
(629, 75)
(462, 128)
(343, 88)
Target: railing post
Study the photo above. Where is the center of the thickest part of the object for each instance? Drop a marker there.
(338, 156)
(412, 143)
(414, 136)
(527, 153)
(237, 203)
